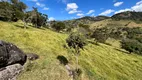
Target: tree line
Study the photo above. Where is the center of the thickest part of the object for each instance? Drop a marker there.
(130, 38)
(15, 10)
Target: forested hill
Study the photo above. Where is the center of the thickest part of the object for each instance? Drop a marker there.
(136, 16)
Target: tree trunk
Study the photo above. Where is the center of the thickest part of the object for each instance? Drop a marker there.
(77, 61)
(77, 54)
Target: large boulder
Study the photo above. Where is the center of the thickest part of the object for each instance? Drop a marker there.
(11, 54)
(10, 72)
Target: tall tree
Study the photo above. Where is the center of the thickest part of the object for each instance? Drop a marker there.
(76, 41)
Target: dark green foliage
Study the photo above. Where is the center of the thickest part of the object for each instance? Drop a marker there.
(85, 26)
(101, 35)
(12, 11)
(63, 60)
(6, 11)
(58, 26)
(85, 30)
(134, 33)
(36, 18)
(76, 41)
(129, 15)
(131, 38)
(132, 46)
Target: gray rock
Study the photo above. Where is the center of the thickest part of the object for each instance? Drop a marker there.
(10, 72)
(11, 54)
(32, 56)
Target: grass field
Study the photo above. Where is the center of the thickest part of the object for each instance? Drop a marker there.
(98, 62)
(113, 23)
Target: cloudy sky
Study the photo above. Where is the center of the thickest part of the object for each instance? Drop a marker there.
(70, 9)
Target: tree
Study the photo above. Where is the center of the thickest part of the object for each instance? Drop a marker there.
(42, 19)
(132, 46)
(12, 11)
(19, 10)
(101, 35)
(6, 11)
(58, 26)
(85, 26)
(77, 42)
(36, 18)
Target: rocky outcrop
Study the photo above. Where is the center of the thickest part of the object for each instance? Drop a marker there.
(11, 54)
(10, 72)
(12, 60)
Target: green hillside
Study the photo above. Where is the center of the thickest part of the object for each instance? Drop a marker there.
(115, 23)
(97, 62)
(128, 15)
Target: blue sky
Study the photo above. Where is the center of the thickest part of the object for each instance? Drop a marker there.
(70, 9)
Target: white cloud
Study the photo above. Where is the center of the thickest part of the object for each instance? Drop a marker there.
(109, 11)
(90, 12)
(40, 4)
(117, 4)
(137, 7)
(71, 6)
(73, 11)
(51, 19)
(80, 14)
(123, 10)
(139, 3)
(45, 8)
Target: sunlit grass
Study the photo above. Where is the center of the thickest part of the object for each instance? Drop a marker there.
(98, 62)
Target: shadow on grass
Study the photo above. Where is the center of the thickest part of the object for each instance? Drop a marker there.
(63, 60)
(41, 28)
(94, 43)
(122, 51)
(20, 26)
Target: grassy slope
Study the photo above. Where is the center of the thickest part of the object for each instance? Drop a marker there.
(110, 22)
(97, 62)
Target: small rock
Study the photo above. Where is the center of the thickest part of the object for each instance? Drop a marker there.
(32, 56)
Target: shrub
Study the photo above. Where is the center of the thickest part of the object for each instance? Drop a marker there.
(85, 26)
(101, 35)
(77, 42)
(58, 26)
(132, 46)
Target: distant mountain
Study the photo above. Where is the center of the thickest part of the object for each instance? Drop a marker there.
(129, 15)
(98, 18)
(85, 20)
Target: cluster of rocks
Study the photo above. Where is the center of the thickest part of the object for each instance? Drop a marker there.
(12, 60)
(10, 72)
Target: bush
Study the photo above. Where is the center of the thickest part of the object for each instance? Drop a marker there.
(12, 10)
(58, 26)
(132, 46)
(101, 35)
(76, 41)
(85, 26)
